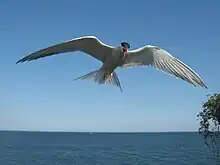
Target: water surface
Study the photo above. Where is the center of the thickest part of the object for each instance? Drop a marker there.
(39, 148)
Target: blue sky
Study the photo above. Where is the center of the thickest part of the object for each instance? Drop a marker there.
(41, 95)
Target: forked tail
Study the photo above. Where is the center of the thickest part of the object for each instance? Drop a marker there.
(101, 76)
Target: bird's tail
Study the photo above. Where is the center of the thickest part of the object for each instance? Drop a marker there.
(101, 76)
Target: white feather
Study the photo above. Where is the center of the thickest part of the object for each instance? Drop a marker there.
(162, 60)
(87, 44)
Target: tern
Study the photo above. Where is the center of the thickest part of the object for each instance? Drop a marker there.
(119, 56)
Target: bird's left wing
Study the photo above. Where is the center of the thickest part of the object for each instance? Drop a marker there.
(90, 45)
(163, 61)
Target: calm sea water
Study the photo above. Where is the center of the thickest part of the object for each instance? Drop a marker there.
(38, 148)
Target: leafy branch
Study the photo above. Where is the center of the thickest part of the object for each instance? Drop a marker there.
(210, 122)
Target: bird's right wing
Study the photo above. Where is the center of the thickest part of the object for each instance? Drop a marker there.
(163, 61)
(87, 44)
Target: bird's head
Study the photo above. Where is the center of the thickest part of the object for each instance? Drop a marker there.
(125, 46)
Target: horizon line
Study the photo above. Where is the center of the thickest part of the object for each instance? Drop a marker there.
(44, 131)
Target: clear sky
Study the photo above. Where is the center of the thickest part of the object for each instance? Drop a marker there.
(40, 95)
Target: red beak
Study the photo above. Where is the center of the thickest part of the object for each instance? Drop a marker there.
(125, 52)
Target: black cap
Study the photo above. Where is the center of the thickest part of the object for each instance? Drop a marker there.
(125, 44)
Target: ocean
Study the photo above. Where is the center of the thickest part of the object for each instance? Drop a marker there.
(53, 148)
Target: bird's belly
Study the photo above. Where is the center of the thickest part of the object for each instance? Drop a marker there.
(110, 65)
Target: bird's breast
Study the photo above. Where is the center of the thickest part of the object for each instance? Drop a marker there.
(111, 63)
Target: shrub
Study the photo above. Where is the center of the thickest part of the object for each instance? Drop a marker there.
(210, 122)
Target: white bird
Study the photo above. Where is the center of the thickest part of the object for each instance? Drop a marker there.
(119, 56)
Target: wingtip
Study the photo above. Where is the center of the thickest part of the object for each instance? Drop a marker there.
(204, 85)
(18, 62)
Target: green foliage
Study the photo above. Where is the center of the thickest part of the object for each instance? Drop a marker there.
(210, 122)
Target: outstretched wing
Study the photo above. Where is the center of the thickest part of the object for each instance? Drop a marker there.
(87, 44)
(163, 61)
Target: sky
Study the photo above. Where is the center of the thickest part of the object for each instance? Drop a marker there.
(41, 95)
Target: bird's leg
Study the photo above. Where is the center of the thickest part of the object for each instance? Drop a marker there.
(110, 77)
